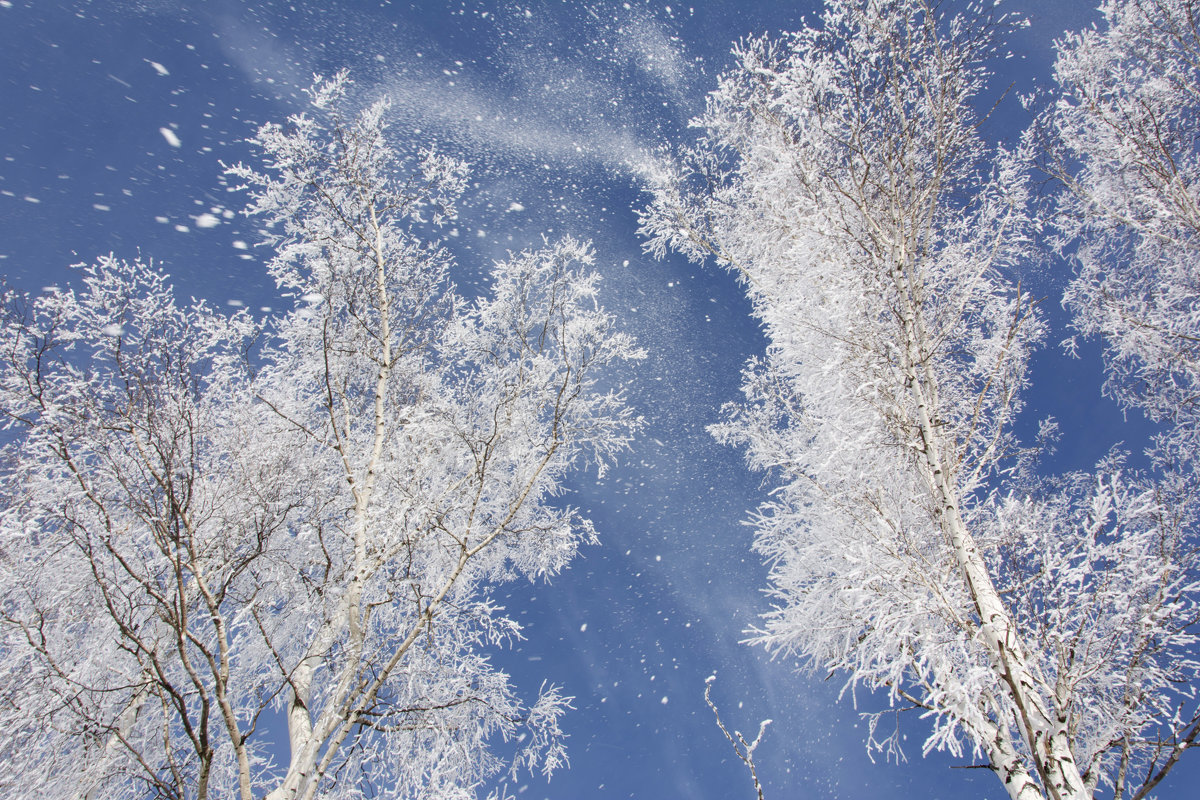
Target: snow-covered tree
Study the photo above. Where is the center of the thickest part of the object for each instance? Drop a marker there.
(1127, 130)
(213, 528)
(842, 178)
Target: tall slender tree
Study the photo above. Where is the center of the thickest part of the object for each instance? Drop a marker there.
(1124, 142)
(842, 178)
(205, 516)
(1126, 147)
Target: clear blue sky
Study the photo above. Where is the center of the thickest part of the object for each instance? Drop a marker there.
(118, 114)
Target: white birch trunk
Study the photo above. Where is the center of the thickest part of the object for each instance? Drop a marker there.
(1044, 730)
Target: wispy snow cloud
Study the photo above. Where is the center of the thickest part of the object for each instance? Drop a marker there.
(589, 88)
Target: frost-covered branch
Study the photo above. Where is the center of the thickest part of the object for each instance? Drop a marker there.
(745, 750)
(841, 176)
(191, 535)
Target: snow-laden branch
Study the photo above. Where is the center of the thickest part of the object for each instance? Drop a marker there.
(206, 518)
(842, 178)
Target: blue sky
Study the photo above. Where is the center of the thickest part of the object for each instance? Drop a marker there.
(118, 114)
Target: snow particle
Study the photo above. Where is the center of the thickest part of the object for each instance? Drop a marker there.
(170, 136)
(207, 221)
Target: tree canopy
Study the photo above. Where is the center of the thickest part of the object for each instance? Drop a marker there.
(914, 546)
(208, 516)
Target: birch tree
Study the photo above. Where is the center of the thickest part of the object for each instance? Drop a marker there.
(840, 176)
(1127, 150)
(215, 528)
